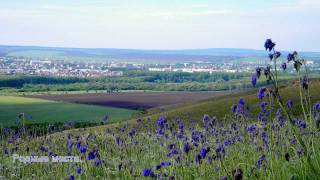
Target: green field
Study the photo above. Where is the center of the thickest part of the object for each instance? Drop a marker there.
(43, 111)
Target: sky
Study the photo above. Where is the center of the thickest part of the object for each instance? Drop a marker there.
(161, 24)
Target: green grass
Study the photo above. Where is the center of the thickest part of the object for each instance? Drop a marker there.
(44, 111)
(220, 106)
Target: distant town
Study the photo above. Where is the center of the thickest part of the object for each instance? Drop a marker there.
(62, 68)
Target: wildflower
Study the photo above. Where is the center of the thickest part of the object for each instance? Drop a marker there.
(118, 140)
(254, 79)
(139, 120)
(251, 128)
(161, 121)
(131, 133)
(97, 162)
(284, 66)
(91, 155)
(261, 92)
(290, 57)
(166, 163)
(234, 108)
(70, 144)
(78, 170)
(269, 45)
(83, 149)
(289, 104)
(305, 83)
(146, 172)
(203, 153)
(71, 177)
(78, 145)
(260, 160)
(263, 105)
(316, 106)
(158, 166)
(301, 124)
(241, 101)
(299, 151)
(277, 54)
(186, 148)
(271, 56)
(258, 71)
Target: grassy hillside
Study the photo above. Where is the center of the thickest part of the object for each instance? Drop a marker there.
(43, 111)
(220, 106)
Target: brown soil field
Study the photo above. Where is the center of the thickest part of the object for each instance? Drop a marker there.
(133, 100)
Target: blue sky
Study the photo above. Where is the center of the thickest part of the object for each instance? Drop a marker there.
(161, 24)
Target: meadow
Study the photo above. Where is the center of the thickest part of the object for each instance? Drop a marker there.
(271, 132)
(44, 111)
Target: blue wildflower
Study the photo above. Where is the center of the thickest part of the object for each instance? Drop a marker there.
(91, 155)
(97, 162)
(260, 160)
(146, 172)
(71, 177)
(241, 101)
(186, 148)
(83, 149)
(261, 92)
(203, 152)
(299, 151)
(269, 45)
(316, 106)
(290, 57)
(78, 170)
(254, 79)
(284, 66)
(233, 108)
(289, 104)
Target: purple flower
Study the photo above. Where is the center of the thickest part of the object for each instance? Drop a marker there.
(305, 82)
(316, 106)
(263, 105)
(78, 170)
(270, 56)
(131, 133)
(261, 92)
(301, 124)
(284, 66)
(241, 101)
(118, 140)
(258, 71)
(161, 121)
(70, 144)
(260, 160)
(299, 151)
(83, 149)
(203, 152)
(269, 45)
(71, 177)
(97, 162)
(186, 148)
(254, 79)
(91, 155)
(234, 108)
(290, 57)
(146, 172)
(277, 55)
(78, 145)
(289, 104)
